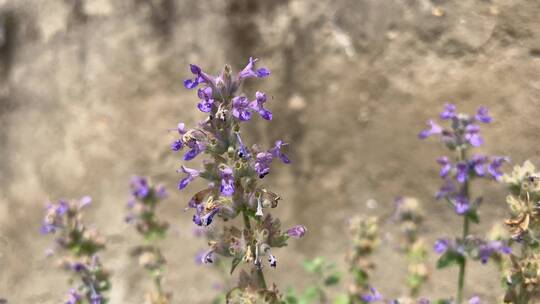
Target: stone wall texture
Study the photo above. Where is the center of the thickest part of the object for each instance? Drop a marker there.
(88, 89)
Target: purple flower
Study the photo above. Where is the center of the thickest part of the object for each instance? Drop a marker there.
(482, 115)
(205, 94)
(495, 165)
(449, 111)
(249, 71)
(446, 189)
(461, 204)
(53, 217)
(196, 147)
(446, 166)
(227, 181)
(200, 77)
(272, 260)
(474, 300)
(433, 129)
(262, 164)
(139, 187)
(477, 163)
(243, 152)
(462, 172)
(373, 296)
(240, 108)
(487, 249)
(191, 175)
(206, 219)
(177, 145)
(207, 257)
(277, 153)
(297, 231)
(73, 297)
(95, 298)
(258, 105)
(472, 135)
(161, 192)
(441, 245)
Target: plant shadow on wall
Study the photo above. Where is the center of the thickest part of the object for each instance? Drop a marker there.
(233, 213)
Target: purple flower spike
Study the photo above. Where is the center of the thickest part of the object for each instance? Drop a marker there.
(495, 165)
(449, 111)
(371, 297)
(262, 164)
(249, 71)
(276, 152)
(441, 245)
(434, 128)
(297, 231)
(461, 205)
(462, 172)
(205, 94)
(472, 135)
(482, 115)
(258, 105)
(240, 108)
(191, 175)
(446, 166)
(227, 181)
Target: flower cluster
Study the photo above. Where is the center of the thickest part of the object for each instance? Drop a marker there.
(142, 213)
(463, 135)
(410, 217)
(233, 170)
(77, 246)
(523, 277)
(364, 233)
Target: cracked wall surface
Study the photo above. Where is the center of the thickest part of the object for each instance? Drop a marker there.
(88, 89)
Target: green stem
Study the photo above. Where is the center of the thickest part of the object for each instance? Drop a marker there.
(461, 277)
(260, 274)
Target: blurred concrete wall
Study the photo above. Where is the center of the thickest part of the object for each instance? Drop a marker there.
(88, 89)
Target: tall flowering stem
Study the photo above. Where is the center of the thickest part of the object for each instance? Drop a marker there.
(523, 277)
(142, 213)
(77, 247)
(233, 172)
(365, 238)
(457, 172)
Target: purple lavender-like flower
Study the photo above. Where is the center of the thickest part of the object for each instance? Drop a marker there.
(446, 189)
(227, 181)
(204, 220)
(446, 166)
(196, 147)
(73, 297)
(191, 174)
(433, 129)
(258, 106)
(441, 245)
(495, 165)
(139, 187)
(243, 152)
(462, 172)
(200, 77)
(297, 231)
(263, 162)
(240, 108)
(474, 300)
(53, 217)
(449, 111)
(477, 164)
(472, 135)
(372, 296)
(249, 70)
(482, 115)
(461, 204)
(486, 250)
(205, 94)
(277, 153)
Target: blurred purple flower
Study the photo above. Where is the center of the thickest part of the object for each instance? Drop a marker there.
(472, 135)
(449, 111)
(258, 106)
(249, 71)
(191, 175)
(446, 166)
(297, 231)
(433, 129)
(482, 115)
(240, 108)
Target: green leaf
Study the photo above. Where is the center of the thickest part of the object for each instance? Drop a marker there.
(291, 297)
(235, 262)
(450, 258)
(473, 216)
(332, 279)
(310, 295)
(315, 265)
(341, 299)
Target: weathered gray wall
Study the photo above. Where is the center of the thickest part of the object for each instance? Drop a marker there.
(89, 87)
